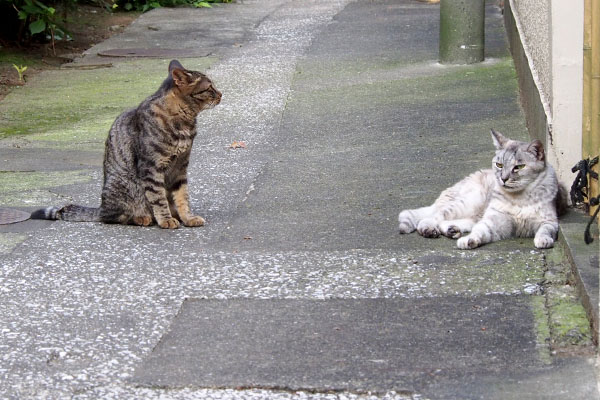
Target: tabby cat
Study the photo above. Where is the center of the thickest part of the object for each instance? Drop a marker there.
(146, 157)
(519, 197)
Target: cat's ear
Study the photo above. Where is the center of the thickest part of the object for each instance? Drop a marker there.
(537, 149)
(173, 65)
(181, 77)
(499, 139)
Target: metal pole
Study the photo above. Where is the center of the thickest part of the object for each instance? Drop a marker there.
(462, 31)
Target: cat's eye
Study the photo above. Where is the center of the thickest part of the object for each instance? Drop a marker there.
(518, 167)
(499, 165)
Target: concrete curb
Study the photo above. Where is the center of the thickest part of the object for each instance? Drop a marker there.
(584, 263)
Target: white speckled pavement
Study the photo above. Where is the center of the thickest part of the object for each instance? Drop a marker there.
(346, 119)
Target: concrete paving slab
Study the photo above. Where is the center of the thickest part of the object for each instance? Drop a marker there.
(356, 345)
(584, 259)
(360, 130)
(362, 346)
(193, 33)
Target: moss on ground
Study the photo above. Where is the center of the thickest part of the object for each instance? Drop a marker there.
(28, 189)
(540, 315)
(449, 83)
(71, 106)
(8, 241)
(567, 320)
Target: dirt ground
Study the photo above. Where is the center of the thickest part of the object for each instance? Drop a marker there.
(87, 25)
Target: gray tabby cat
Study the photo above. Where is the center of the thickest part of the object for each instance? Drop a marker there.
(519, 197)
(146, 157)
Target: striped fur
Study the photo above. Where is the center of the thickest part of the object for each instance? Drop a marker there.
(146, 157)
(519, 197)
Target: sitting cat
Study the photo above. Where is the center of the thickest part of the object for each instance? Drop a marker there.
(519, 197)
(146, 157)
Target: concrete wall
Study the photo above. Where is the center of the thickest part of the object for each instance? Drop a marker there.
(546, 38)
(533, 21)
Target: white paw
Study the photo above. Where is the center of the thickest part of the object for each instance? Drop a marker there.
(543, 242)
(405, 223)
(467, 243)
(428, 229)
(450, 230)
(406, 227)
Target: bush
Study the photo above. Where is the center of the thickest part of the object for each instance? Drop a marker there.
(145, 5)
(23, 20)
(27, 18)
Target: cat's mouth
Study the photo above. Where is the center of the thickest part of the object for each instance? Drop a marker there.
(214, 102)
(510, 186)
(211, 104)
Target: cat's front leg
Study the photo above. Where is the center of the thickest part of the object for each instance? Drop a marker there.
(180, 196)
(156, 194)
(545, 235)
(429, 228)
(491, 228)
(408, 220)
(454, 229)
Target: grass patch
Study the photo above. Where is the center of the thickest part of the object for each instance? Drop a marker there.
(79, 106)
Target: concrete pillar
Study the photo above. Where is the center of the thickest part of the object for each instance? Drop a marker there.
(461, 31)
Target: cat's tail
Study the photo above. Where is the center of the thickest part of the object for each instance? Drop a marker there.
(71, 212)
(562, 200)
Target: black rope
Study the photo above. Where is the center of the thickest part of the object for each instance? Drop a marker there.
(579, 188)
(579, 191)
(594, 201)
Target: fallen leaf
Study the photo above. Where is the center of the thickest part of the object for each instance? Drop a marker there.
(237, 145)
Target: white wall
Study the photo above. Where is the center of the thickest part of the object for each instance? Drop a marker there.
(533, 22)
(567, 86)
(552, 35)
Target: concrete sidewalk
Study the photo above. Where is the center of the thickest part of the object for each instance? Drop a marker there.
(299, 285)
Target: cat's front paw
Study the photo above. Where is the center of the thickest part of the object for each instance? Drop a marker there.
(169, 223)
(406, 228)
(451, 231)
(146, 220)
(405, 224)
(467, 243)
(543, 242)
(428, 228)
(194, 220)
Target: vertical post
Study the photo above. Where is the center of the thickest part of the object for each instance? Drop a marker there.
(462, 31)
(591, 88)
(595, 98)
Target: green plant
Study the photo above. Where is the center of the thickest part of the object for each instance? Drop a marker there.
(20, 71)
(145, 5)
(41, 19)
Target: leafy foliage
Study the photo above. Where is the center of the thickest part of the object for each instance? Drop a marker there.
(37, 17)
(22, 20)
(145, 5)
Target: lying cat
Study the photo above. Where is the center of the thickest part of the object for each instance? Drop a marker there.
(519, 197)
(146, 157)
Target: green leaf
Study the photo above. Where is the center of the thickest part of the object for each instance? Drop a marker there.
(37, 26)
(128, 6)
(41, 5)
(22, 15)
(202, 4)
(32, 10)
